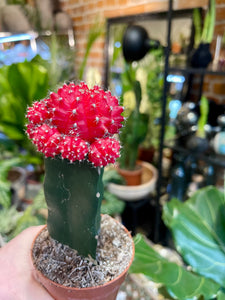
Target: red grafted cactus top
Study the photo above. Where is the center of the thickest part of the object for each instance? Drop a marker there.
(77, 123)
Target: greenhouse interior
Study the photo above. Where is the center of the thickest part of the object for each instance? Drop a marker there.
(112, 149)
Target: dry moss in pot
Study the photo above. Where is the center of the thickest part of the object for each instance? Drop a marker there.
(74, 129)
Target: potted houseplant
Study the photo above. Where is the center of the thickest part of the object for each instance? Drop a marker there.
(197, 227)
(135, 131)
(135, 45)
(73, 128)
(202, 56)
(152, 84)
(140, 176)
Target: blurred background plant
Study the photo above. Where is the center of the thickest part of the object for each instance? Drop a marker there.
(13, 221)
(134, 133)
(20, 84)
(197, 228)
(94, 33)
(153, 93)
(149, 73)
(60, 65)
(204, 32)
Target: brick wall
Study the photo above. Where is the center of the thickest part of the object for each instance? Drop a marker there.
(84, 13)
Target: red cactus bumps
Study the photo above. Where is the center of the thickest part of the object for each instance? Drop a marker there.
(77, 123)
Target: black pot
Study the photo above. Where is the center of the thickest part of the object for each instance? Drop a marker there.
(197, 144)
(201, 56)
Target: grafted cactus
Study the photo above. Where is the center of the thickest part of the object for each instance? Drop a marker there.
(74, 129)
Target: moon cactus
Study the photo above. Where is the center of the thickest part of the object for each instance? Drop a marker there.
(74, 129)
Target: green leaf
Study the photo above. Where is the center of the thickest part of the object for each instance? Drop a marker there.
(111, 175)
(5, 185)
(138, 93)
(28, 81)
(197, 25)
(209, 23)
(221, 295)
(180, 283)
(12, 111)
(20, 85)
(6, 165)
(8, 219)
(204, 110)
(95, 32)
(111, 205)
(5, 195)
(198, 228)
(11, 131)
(212, 21)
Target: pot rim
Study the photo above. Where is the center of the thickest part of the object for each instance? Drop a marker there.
(85, 288)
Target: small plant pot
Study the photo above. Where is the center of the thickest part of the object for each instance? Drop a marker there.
(197, 144)
(202, 56)
(132, 177)
(107, 291)
(149, 177)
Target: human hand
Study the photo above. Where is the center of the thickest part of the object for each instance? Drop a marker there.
(16, 279)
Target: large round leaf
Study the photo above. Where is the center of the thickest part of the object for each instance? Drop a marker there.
(198, 228)
(180, 283)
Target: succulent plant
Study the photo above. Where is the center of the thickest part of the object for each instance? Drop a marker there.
(74, 129)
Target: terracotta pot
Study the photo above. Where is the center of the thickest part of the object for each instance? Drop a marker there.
(107, 291)
(132, 177)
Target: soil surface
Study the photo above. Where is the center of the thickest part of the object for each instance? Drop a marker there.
(63, 265)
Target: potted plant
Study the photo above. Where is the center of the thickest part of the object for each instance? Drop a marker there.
(203, 36)
(140, 176)
(73, 128)
(135, 131)
(197, 227)
(152, 82)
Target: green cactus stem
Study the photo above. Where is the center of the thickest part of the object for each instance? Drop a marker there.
(73, 193)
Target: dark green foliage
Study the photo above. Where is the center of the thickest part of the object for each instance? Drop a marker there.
(73, 193)
(20, 85)
(198, 228)
(12, 221)
(132, 135)
(5, 185)
(111, 205)
(180, 283)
